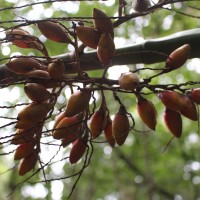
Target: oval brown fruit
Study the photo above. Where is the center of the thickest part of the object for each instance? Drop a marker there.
(88, 36)
(78, 149)
(147, 112)
(106, 49)
(54, 31)
(120, 126)
(102, 22)
(178, 57)
(173, 122)
(77, 103)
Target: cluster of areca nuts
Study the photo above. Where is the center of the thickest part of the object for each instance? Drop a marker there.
(74, 125)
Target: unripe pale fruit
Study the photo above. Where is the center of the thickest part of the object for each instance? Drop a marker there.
(173, 122)
(54, 31)
(178, 57)
(189, 110)
(106, 48)
(88, 36)
(27, 164)
(128, 81)
(24, 150)
(23, 65)
(172, 100)
(78, 102)
(78, 149)
(56, 69)
(195, 95)
(32, 114)
(120, 126)
(68, 125)
(102, 22)
(108, 132)
(36, 92)
(147, 112)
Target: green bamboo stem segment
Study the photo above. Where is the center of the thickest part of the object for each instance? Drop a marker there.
(148, 52)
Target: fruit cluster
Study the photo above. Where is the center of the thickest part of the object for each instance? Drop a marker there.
(40, 78)
(31, 118)
(76, 125)
(29, 126)
(100, 37)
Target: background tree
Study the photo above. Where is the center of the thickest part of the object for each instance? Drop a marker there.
(140, 169)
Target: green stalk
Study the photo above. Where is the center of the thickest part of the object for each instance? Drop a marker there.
(148, 52)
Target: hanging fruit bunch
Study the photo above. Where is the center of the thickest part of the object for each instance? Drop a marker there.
(29, 127)
(79, 123)
(99, 37)
(42, 79)
(178, 104)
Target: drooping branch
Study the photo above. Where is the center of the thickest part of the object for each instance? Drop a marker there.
(148, 52)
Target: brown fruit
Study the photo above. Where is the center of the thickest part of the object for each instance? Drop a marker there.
(42, 77)
(18, 37)
(23, 39)
(56, 69)
(172, 100)
(68, 139)
(78, 149)
(54, 31)
(120, 126)
(67, 126)
(128, 81)
(39, 74)
(147, 112)
(23, 65)
(78, 102)
(180, 103)
(195, 95)
(102, 22)
(173, 122)
(88, 36)
(97, 123)
(27, 164)
(178, 57)
(98, 119)
(24, 150)
(36, 92)
(106, 48)
(58, 119)
(32, 114)
(108, 132)
(22, 136)
(189, 110)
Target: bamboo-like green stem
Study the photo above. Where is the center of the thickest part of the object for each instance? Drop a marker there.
(148, 52)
